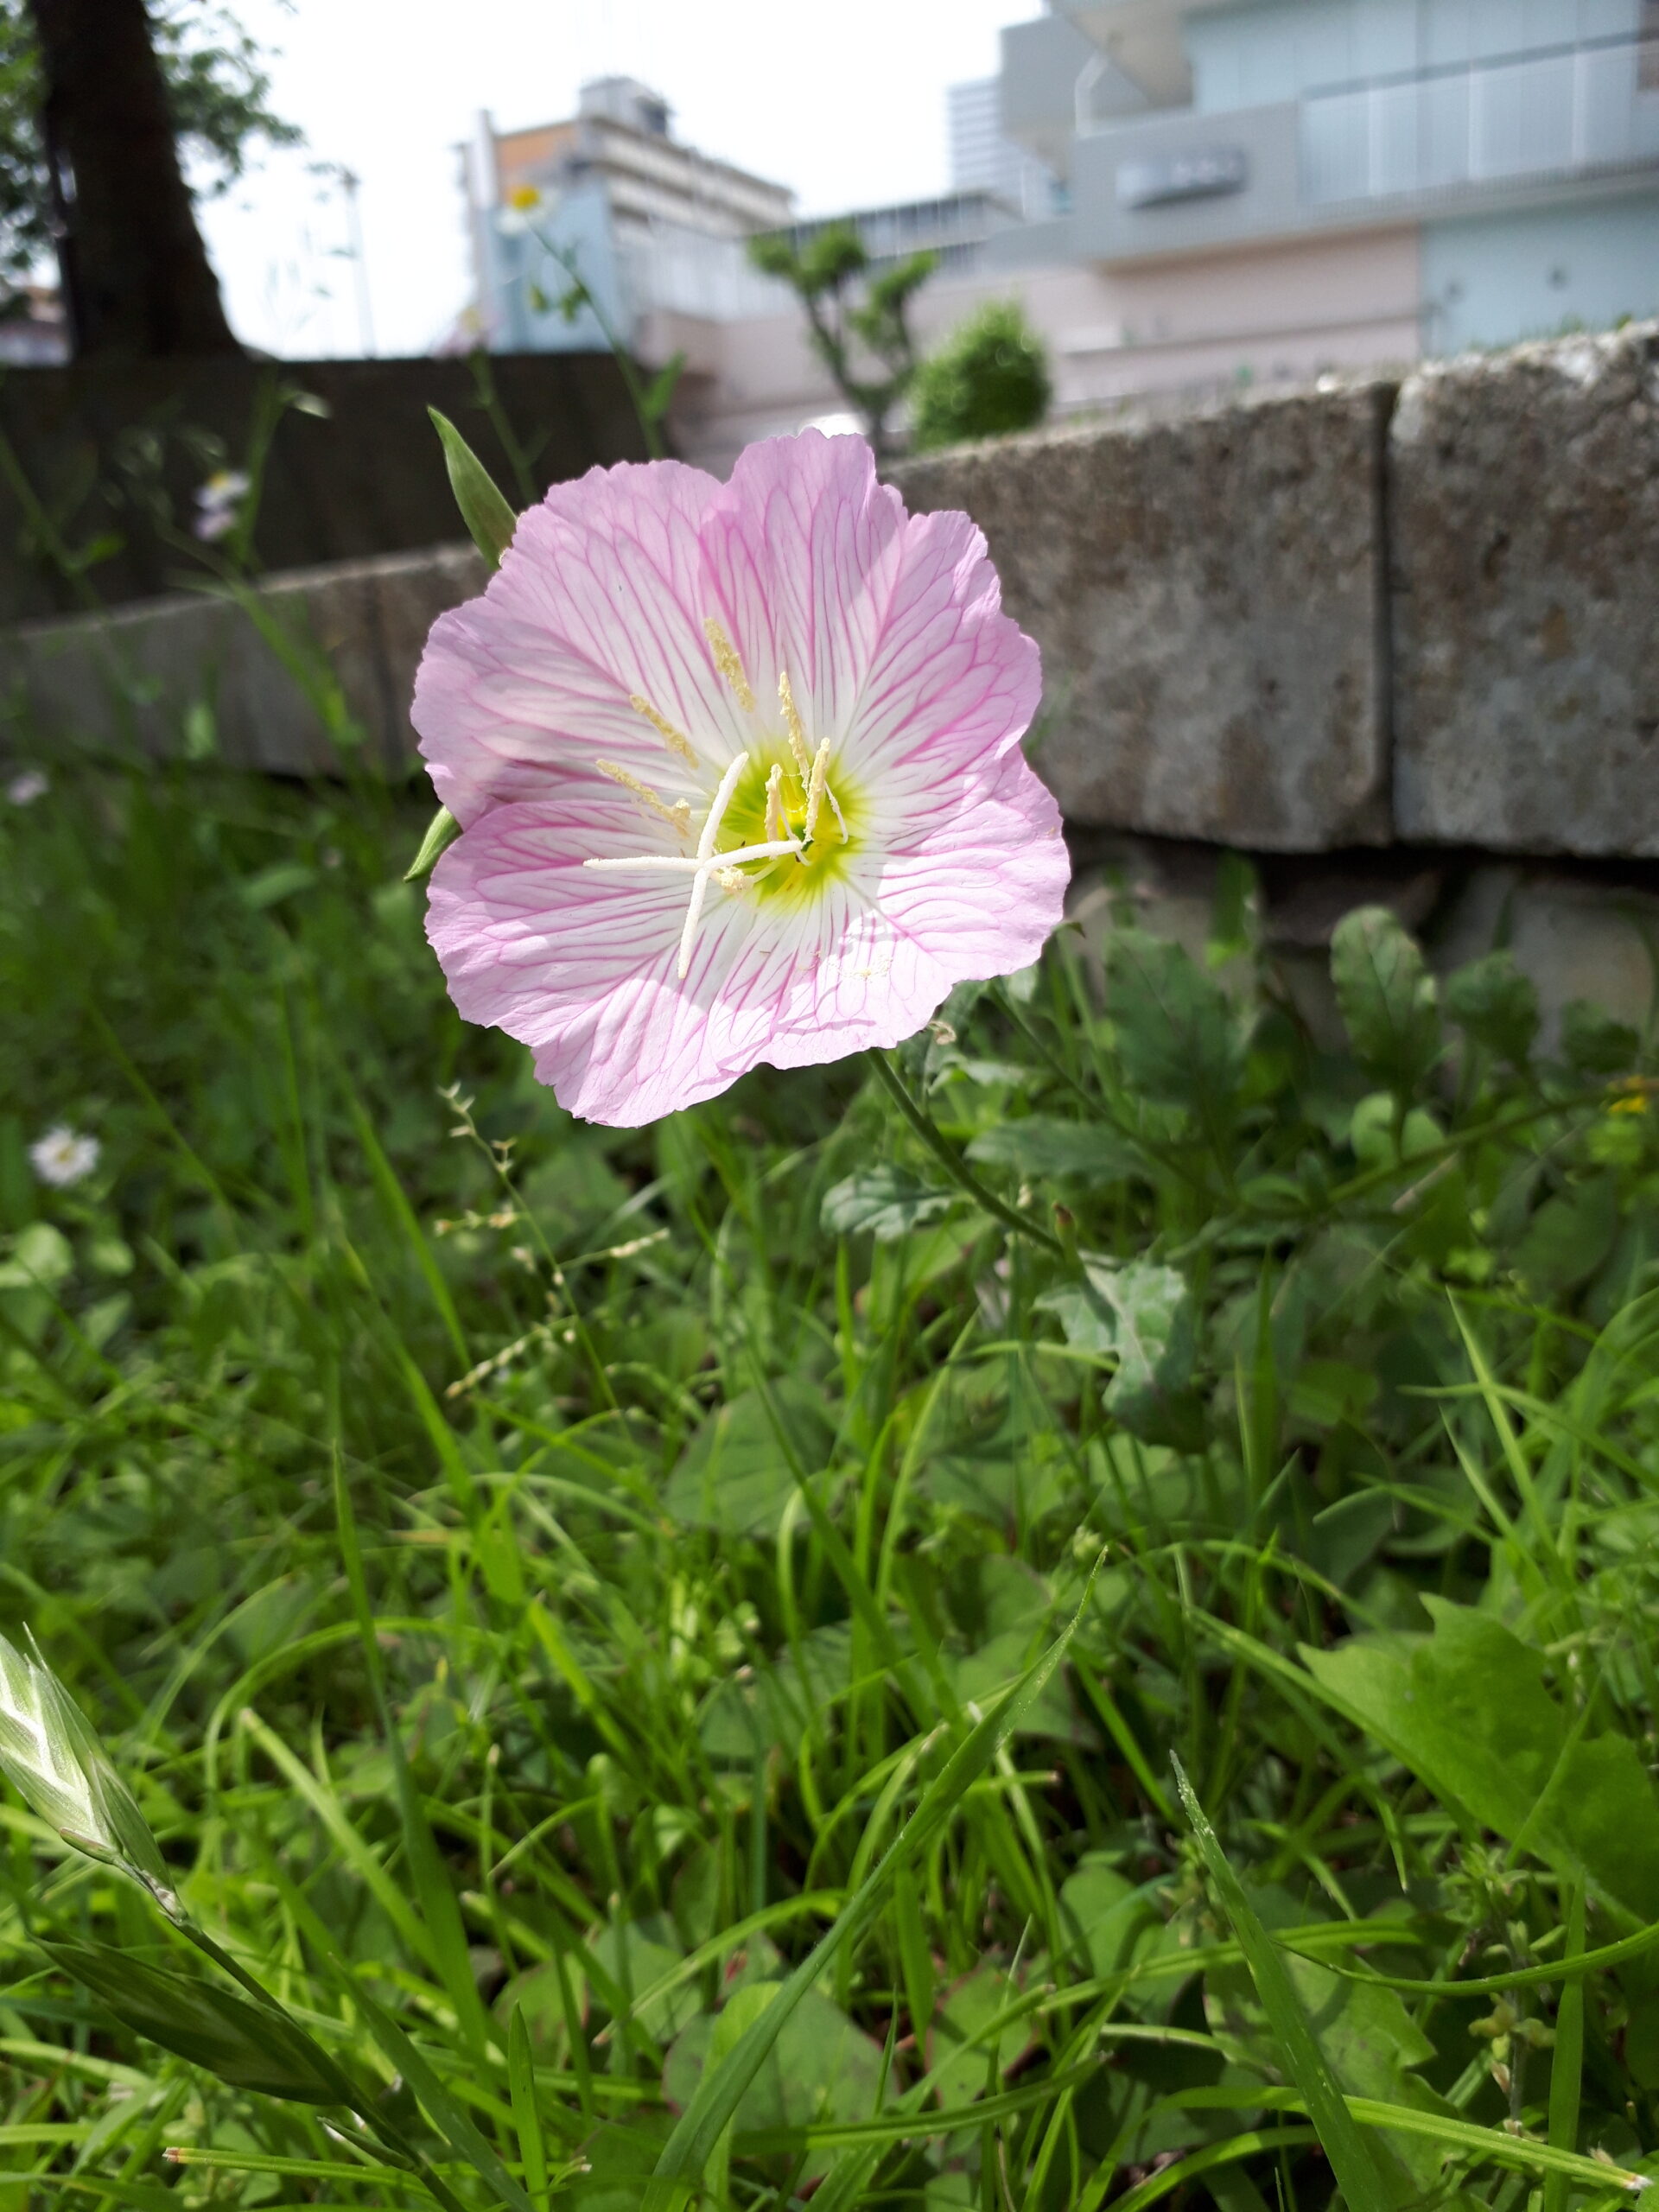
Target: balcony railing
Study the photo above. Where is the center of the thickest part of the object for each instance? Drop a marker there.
(1553, 113)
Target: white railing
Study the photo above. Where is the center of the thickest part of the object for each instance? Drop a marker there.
(1574, 108)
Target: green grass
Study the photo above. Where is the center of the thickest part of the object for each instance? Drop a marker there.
(533, 1575)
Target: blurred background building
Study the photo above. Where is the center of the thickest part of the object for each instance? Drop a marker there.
(1185, 196)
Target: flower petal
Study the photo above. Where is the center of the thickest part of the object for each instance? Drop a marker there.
(600, 598)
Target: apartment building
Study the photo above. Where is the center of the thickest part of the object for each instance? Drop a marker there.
(1265, 188)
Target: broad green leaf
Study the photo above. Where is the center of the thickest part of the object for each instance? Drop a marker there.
(1467, 1709)
(1594, 1042)
(440, 833)
(1364, 2032)
(957, 2058)
(243, 2043)
(886, 1203)
(1496, 1005)
(638, 1952)
(1043, 1144)
(1569, 1236)
(1143, 1312)
(822, 2067)
(1179, 1040)
(733, 1475)
(40, 1258)
(490, 521)
(1105, 1913)
(1387, 996)
(1353, 2160)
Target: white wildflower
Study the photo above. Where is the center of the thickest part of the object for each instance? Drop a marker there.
(61, 1157)
(24, 789)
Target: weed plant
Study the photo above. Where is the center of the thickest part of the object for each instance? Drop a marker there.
(530, 1575)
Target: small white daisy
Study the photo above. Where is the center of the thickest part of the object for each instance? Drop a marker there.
(61, 1157)
(23, 790)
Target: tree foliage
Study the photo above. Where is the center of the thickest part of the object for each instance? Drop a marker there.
(990, 376)
(828, 276)
(218, 88)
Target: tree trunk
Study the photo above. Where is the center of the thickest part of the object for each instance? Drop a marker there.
(137, 278)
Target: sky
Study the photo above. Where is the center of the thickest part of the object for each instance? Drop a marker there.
(842, 99)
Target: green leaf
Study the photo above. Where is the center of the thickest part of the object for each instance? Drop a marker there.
(489, 520)
(721, 2089)
(242, 2043)
(1467, 1710)
(1179, 1039)
(1496, 1005)
(1143, 1312)
(822, 2067)
(1593, 1042)
(658, 395)
(733, 1476)
(440, 833)
(521, 2090)
(1044, 1144)
(886, 1203)
(1569, 1236)
(1364, 2032)
(1387, 996)
(1353, 2159)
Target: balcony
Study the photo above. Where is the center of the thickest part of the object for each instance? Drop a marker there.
(1570, 112)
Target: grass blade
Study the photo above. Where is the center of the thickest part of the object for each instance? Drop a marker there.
(1358, 2175)
(721, 2090)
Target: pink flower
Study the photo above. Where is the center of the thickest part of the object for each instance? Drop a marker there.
(739, 776)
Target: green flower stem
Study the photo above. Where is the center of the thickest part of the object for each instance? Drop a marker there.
(952, 1162)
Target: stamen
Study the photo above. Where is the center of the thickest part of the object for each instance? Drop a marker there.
(816, 789)
(730, 666)
(841, 819)
(677, 817)
(728, 784)
(792, 724)
(777, 822)
(733, 879)
(680, 864)
(665, 730)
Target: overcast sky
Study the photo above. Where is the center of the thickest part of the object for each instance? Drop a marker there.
(842, 100)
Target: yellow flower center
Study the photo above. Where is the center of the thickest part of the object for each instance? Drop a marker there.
(775, 826)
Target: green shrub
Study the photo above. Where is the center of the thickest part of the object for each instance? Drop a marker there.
(990, 376)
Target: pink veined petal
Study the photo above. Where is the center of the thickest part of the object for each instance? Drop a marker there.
(602, 595)
(800, 549)
(580, 963)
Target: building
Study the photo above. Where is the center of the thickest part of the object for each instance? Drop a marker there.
(984, 158)
(609, 195)
(1266, 188)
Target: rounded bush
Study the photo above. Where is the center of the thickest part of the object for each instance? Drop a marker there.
(990, 377)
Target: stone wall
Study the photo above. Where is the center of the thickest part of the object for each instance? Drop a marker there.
(1363, 616)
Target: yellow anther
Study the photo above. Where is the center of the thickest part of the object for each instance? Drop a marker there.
(677, 817)
(776, 820)
(665, 730)
(792, 724)
(727, 661)
(733, 879)
(816, 789)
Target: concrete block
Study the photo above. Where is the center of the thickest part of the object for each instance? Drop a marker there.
(1524, 527)
(1208, 594)
(164, 673)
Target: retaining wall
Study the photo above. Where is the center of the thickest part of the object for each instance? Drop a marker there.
(1360, 615)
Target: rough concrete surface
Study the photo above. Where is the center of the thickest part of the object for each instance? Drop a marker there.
(1207, 594)
(1524, 528)
(170, 673)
